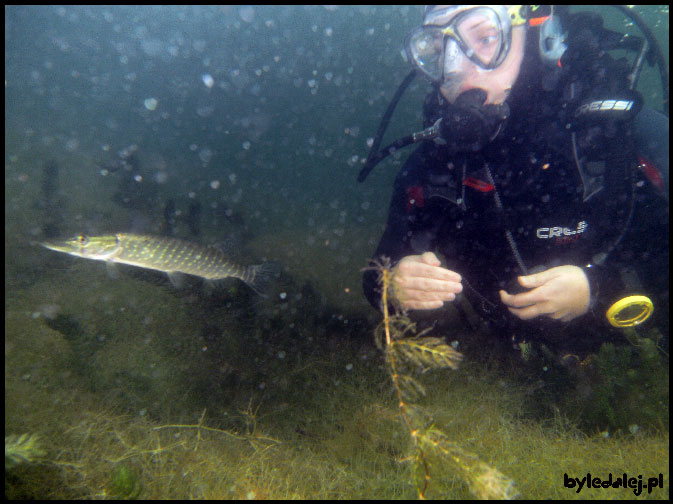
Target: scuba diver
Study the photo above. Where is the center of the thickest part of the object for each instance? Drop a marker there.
(540, 186)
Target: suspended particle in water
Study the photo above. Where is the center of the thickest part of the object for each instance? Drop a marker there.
(247, 14)
(208, 80)
(151, 103)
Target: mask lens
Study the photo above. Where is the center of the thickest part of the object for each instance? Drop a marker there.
(424, 49)
(481, 34)
(453, 59)
(477, 34)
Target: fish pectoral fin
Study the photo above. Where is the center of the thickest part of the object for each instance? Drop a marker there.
(259, 276)
(177, 279)
(112, 269)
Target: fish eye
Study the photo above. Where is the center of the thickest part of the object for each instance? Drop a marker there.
(82, 239)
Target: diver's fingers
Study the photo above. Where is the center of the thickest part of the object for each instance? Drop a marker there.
(523, 299)
(430, 258)
(535, 310)
(420, 269)
(428, 285)
(423, 305)
(420, 295)
(526, 313)
(422, 300)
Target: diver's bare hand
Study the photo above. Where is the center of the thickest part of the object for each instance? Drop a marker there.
(422, 284)
(561, 293)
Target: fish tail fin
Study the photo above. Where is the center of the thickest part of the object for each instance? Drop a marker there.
(259, 276)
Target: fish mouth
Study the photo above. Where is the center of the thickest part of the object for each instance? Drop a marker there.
(59, 246)
(53, 245)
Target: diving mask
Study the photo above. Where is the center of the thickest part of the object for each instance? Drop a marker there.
(451, 36)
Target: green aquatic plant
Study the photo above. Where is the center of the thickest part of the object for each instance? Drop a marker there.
(251, 435)
(409, 354)
(22, 449)
(625, 386)
(124, 482)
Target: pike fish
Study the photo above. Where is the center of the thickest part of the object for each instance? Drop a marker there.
(162, 253)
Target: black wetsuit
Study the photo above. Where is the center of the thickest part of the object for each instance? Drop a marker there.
(445, 202)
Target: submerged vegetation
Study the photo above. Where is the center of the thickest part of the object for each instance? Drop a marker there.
(408, 354)
(625, 387)
(159, 393)
(22, 449)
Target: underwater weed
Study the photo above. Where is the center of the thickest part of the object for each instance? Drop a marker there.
(252, 436)
(407, 354)
(25, 448)
(124, 482)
